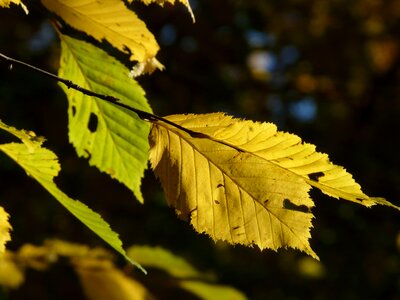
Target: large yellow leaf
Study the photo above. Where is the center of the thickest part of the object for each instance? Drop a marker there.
(244, 182)
(109, 20)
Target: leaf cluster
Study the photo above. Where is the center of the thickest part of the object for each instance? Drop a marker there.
(236, 180)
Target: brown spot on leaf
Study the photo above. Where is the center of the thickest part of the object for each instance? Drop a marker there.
(287, 204)
(315, 176)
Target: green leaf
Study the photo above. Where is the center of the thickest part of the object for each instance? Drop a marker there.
(114, 139)
(207, 291)
(160, 258)
(203, 285)
(42, 165)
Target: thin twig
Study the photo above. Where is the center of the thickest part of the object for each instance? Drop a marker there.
(145, 116)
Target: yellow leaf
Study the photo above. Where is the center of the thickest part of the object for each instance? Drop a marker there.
(5, 228)
(101, 280)
(244, 182)
(162, 2)
(11, 275)
(108, 20)
(41, 257)
(36, 257)
(6, 3)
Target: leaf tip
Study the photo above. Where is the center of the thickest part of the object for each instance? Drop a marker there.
(137, 265)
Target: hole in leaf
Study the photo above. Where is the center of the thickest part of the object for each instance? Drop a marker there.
(73, 110)
(88, 154)
(290, 205)
(216, 201)
(93, 121)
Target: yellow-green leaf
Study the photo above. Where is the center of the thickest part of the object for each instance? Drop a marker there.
(208, 291)
(244, 182)
(108, 20)
(184, 275)
(5, 228)
(160, 258)
(6, 3)
(42, 165)
(114, 139)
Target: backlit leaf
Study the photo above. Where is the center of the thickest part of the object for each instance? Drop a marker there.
(162, 2)
(42, 257)
(108, 20)
(208, 291)
(160, 258)
(114, 139)
(42, 165)
(101, 280)
(184, 275)
(11, 275)
(6, 3)
(5, 228)
(244, 182)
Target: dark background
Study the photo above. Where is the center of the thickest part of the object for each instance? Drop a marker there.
(325, 70)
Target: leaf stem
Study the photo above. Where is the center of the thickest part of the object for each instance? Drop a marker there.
(145, 116)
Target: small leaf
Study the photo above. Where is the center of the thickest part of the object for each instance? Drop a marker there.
(11, 275)
(203, 285)
(42, 165)
(101, 280)
(162, 2)
(207, 291)
(110, 20)
(114, 139)
(5, 229)
(6, 3)
(244, 182)
(160, 258)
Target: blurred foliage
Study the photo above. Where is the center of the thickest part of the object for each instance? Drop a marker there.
(325, 70)
(101, 279)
